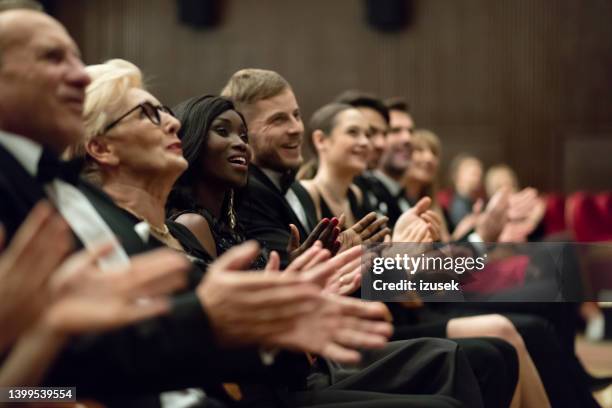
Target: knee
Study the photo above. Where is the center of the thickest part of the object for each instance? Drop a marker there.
(503, 328)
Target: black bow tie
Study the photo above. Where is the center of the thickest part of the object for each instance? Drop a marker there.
(50, 167)
(286, 180)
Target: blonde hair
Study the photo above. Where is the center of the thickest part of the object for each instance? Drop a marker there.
(251, 85)
(491, 184)
(432, 142)
(104, 99)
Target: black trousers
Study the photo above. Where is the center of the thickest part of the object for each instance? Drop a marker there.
(411, 373)
(494, 361)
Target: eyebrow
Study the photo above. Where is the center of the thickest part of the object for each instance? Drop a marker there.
(224, 120)
(275, 115)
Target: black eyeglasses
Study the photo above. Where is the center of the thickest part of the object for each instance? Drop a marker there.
(151, 111)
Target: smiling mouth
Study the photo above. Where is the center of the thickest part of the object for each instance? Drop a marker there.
(242, 161)
(175, 147)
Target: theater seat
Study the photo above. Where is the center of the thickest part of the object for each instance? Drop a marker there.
(590, 219)
(445, 197)
(554, 217)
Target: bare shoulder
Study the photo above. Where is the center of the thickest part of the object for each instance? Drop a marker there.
(309, 186)
(198, 225)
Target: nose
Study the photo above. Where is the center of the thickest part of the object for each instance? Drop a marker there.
(239, 144)
(363, 141)
(378, 142)
(297, 126)
(170, 124)
(77, 76)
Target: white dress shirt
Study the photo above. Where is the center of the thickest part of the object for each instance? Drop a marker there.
(76, 209)
(291, 198)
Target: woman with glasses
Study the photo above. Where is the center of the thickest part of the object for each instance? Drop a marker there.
(132, 149)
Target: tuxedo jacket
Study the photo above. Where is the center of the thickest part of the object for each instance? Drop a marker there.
(379, 197)
(265, 214)
(174, 351)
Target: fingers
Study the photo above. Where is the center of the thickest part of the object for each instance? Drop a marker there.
(273, 264)
(316, 233)
(366, 310)
(320, 257)
(294, 238)
(47, 250)
(40, 214)
(478, 205)
(276, 298)
(78, 264)
(373, 227)
(323, 272)
(142, 310)
(330, 233)
(380, 236)
(341, 354)
(359, 333)
(363, 223)
(352, 285)
(238, 258)
(155, 273)
(422, 205)
(298, 263)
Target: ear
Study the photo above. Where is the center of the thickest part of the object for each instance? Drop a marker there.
(102, 151)
(319, 140)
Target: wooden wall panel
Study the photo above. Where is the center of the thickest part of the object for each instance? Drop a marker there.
(507, 80)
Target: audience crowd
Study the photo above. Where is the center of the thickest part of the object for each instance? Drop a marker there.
(190, 256)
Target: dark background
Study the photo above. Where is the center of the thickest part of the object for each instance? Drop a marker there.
(527, 82)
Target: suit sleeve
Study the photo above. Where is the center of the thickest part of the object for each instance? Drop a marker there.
(171, 352)
(260, 215)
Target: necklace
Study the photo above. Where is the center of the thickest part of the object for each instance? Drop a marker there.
(162, 231)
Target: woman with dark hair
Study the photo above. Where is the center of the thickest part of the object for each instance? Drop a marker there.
(340, 137)
(215, 144)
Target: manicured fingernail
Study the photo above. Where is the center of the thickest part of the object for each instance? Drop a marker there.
(334, 221)
(325, 221)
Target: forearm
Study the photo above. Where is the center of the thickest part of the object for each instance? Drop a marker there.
(31, 357)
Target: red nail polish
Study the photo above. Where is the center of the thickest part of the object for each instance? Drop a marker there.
(334, 221)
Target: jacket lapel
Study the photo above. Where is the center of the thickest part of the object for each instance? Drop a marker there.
(291, 217)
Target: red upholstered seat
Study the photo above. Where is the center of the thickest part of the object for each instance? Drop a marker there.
(554, 217)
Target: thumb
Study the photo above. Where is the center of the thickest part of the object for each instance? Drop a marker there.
(422, 205)
(237, 258)
(273, 264)
(477, 207)
(294, 238)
